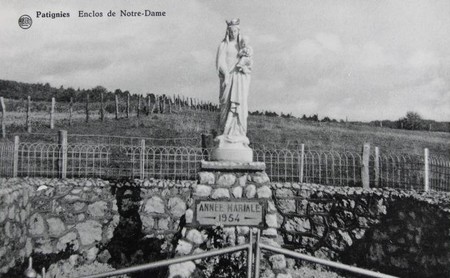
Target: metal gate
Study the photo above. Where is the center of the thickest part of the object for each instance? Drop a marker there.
(254, 248)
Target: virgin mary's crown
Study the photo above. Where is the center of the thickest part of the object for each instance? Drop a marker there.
(233, 22)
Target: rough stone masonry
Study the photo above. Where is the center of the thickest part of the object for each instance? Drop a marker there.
(400, 232)
(228, 181)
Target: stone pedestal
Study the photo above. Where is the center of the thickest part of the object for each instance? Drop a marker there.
(235, 155)
(228, 150)
(230, 181)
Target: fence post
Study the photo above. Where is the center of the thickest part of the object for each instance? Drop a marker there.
(165, 104)
(149, 105)
(138, 112)
(87, 108)
(128, 105)
(70, 110)
(365, 178)
(377, 167)
(155, 107)
(170, 104)
(62, 141)
(162, 104)
(2, 104)
(52, 114)
(116, 99)
(426, 171)
(28, 122)
(204, 146)
(102, 108)
(302, 162)
(16, 156)
(142, 160)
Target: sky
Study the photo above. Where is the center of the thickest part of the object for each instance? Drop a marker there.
(360, 60)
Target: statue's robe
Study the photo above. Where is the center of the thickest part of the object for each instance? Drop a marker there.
(233, 100)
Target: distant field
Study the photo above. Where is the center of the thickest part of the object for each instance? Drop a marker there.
(270, 131)
(349, 137)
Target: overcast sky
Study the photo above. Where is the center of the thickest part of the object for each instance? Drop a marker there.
(365, 60)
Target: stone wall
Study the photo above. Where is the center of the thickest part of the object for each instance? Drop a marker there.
(402, 233)
(52, 219)
(61, 217)
(128, 222)
(15, 209)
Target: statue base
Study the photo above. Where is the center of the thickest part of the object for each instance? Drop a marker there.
(234, 155)
(234, 149)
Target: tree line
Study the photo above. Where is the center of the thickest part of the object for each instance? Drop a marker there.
(44, 92)
(414, 121)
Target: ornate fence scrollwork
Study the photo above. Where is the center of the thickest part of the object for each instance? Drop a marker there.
(110, 160)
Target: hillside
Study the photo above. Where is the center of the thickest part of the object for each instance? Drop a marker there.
(185, 122)
(41, 94)
(274, 132)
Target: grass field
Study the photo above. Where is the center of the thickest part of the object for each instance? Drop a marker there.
(270, 131)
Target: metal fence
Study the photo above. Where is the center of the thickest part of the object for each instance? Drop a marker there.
(6, 159)
(134, 141)
(252, 260)
(312, 166)
(102, 161)
(399, 171)
(195, 141)
(439, 169)
(142, 158)
(180, 163)
(38, 159)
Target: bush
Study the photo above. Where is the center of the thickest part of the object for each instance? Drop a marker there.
(233, 265)
(412, 121)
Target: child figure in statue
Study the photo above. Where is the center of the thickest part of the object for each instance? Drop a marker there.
(245, 56)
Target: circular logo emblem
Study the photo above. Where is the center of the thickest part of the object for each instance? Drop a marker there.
(25, 21)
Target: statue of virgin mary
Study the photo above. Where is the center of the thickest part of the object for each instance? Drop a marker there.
(233, 65)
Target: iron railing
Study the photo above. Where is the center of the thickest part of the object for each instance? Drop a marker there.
(439, 173)
(403, 171)
(312, 166)
(134, 141)
(104, 160)
(38, 159)
(253, 261)
(139, 268)
(353, 269)
(111, 140)
(6, 159)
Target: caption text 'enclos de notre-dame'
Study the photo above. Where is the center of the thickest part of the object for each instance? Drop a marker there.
(93, 13)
